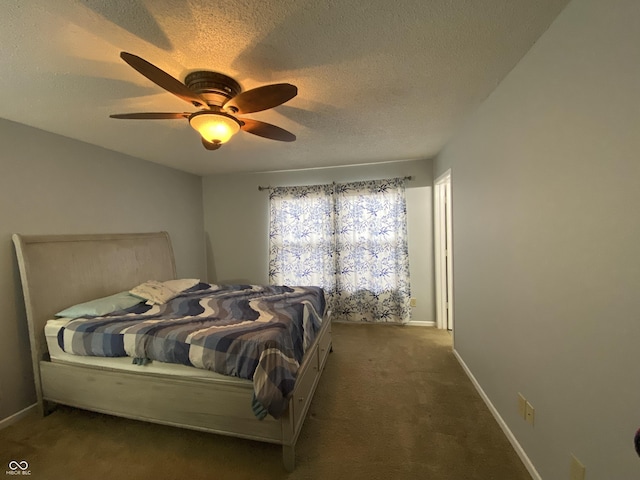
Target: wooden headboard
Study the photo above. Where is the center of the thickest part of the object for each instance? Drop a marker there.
(58, 271)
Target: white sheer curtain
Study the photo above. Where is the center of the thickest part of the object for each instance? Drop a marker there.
(350, 239)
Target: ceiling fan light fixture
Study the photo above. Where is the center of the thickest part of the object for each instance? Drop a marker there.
(214, 127)
(220, 97)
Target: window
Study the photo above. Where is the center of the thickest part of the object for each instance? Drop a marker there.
(350, 239)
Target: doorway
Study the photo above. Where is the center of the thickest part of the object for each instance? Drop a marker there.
(443, 243)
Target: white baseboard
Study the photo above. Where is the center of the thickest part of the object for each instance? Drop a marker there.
(503, 425)
(420, 323)
(408, 324)
(5, 422)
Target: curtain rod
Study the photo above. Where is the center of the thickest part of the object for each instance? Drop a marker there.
(261, 188)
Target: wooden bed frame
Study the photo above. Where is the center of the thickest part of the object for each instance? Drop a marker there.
(62, 270)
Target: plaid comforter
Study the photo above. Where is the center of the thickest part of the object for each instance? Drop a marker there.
(254, 332)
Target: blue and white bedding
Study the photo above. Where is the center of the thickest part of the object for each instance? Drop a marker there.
(254, 332)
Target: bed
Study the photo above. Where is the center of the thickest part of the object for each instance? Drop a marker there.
(62, 270)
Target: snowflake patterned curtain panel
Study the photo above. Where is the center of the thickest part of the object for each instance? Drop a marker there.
(351, 240)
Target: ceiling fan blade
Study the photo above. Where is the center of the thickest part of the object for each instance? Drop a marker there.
(163, 79)
(150, 116)
(266, 130)
(210, 145)
(262, 98)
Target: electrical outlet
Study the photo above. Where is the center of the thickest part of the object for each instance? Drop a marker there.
(578, 471)
(522, 406)
(413, 302)
(530, 413)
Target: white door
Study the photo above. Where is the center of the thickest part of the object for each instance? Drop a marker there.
(443, 251)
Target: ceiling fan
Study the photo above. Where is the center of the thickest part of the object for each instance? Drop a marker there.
(219, 98)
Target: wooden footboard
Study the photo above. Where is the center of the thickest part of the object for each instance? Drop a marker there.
(199, 404)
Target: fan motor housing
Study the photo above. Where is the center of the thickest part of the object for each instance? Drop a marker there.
(216, 88)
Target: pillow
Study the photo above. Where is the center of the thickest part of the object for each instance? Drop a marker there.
(154, 292)
(100, 306)
(181, 284)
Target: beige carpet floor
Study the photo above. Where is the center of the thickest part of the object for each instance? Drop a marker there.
(393, 403)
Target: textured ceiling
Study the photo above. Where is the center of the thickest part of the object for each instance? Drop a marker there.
(378, 80)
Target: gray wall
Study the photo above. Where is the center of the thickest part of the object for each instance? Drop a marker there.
(237, 222)
(546, 192)
(52, 185)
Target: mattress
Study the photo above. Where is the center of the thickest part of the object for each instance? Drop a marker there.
(126, 363)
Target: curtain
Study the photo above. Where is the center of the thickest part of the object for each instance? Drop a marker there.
(301, 241)
(372, 252)
(350, 239)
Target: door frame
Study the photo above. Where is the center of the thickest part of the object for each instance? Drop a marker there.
(443, 250)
